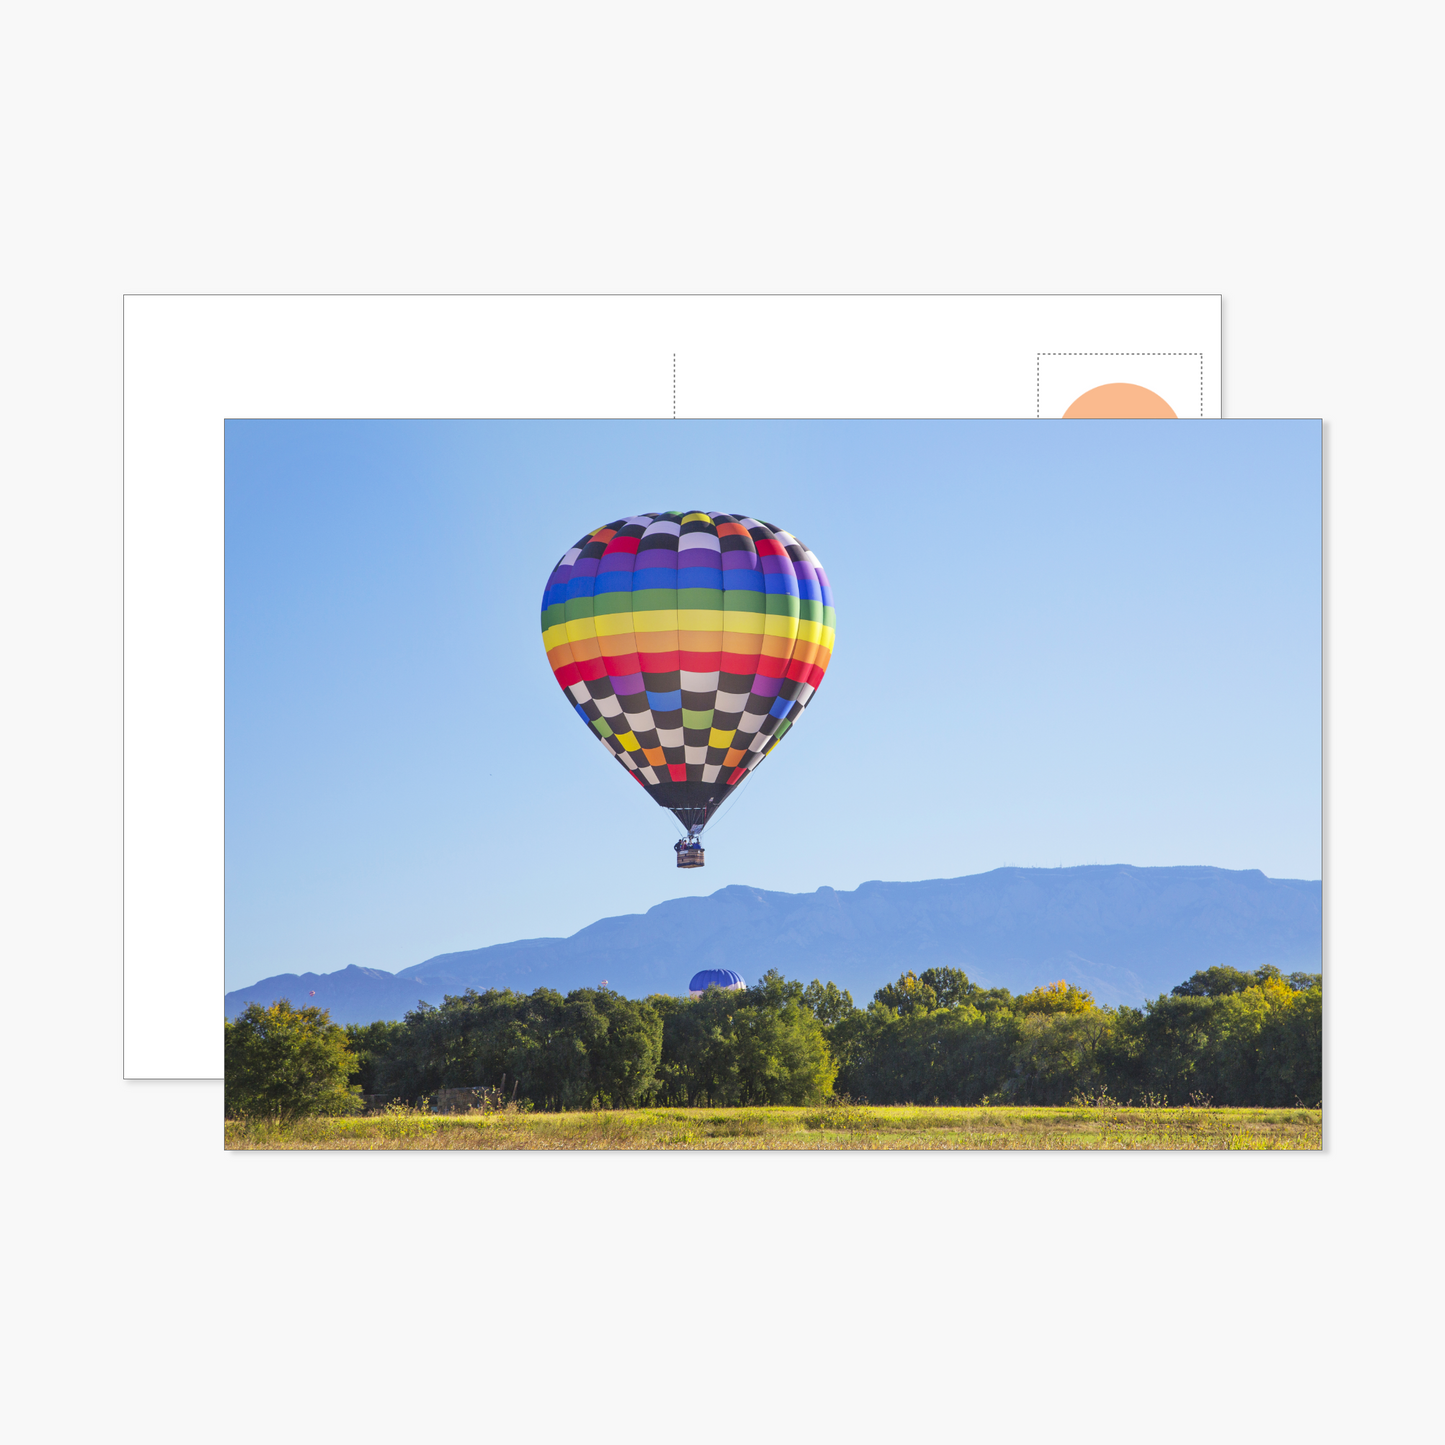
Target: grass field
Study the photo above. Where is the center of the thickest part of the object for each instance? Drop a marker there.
(831, 1127)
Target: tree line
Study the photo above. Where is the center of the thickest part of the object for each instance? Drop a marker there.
(1225, 1036)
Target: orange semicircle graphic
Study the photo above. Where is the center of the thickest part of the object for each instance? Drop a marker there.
(1120, 399)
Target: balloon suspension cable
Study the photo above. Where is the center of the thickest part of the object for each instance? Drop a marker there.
(729, 802)
(694, 820)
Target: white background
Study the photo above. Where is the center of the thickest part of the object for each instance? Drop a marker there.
(1282, 155)
(192, 361)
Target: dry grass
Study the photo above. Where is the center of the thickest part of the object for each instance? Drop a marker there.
(851, 1126)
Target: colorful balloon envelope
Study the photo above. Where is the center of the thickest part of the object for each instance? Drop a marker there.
(689, 643)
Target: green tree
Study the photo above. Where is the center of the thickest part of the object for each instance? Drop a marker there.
(829, 1003)
(1261, 1045)
(761, 1045)
(955, 1055)
(952, 986)
(1265, 1046)
(1221, 981)
(561, 1053)
(285, 1063)
(772, 990)
(1214, 983)
(700, 1049)
(371, 1044)
(783, 1056)
(1175, 1046)
(622, 1039)
(851, 1039)
(1058, 1054)
(909, 995)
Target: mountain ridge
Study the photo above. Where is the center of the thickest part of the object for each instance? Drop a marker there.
(1124, 932)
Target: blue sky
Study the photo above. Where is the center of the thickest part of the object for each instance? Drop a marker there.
(1058, 643)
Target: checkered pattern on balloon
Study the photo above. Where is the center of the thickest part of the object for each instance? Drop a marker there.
(689, 643)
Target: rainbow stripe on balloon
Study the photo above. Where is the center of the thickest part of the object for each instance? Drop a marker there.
(689, 642)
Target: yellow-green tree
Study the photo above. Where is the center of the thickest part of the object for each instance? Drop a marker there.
(1054, 998)
(286, 1063)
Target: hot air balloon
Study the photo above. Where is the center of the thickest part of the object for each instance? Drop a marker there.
(689, 643)
(723, 978)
